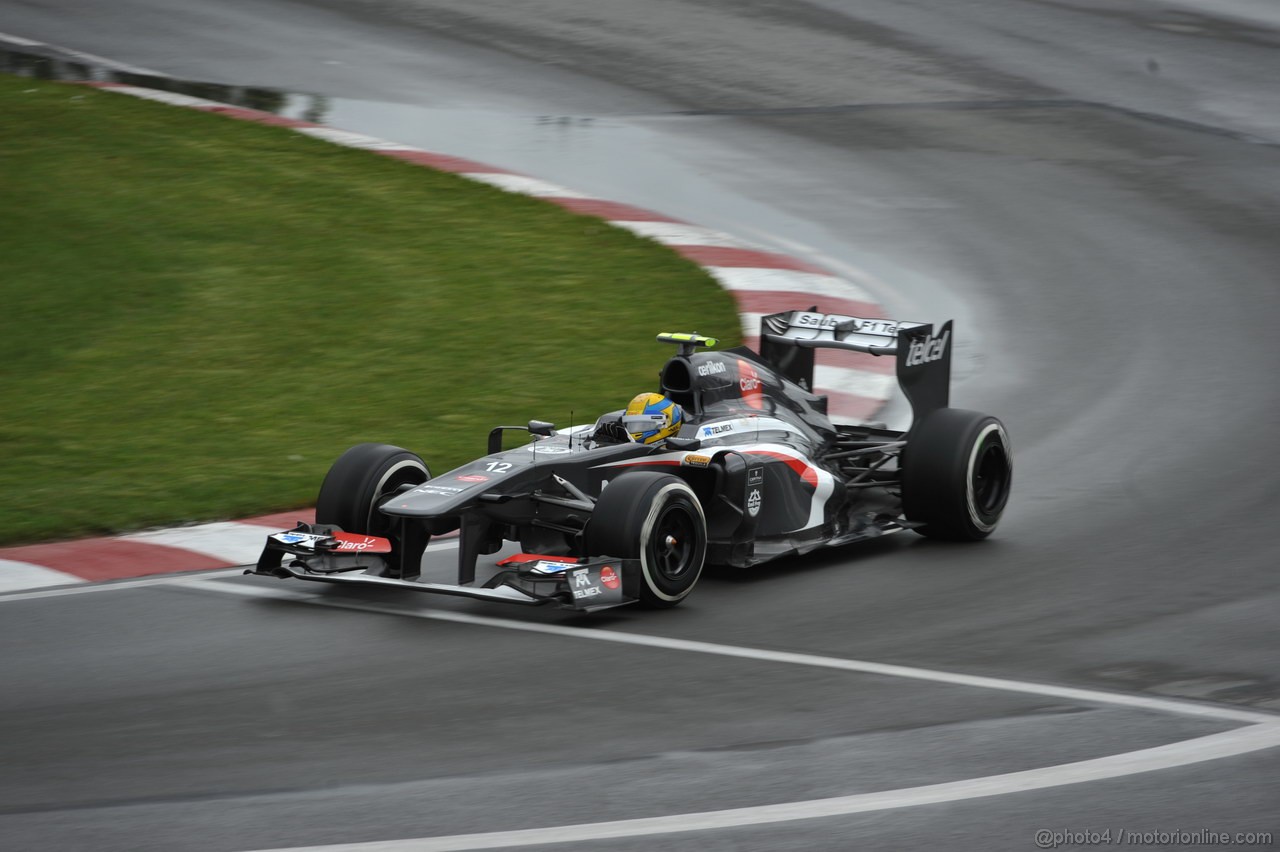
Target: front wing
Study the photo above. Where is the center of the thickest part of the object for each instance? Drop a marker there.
(326, 554)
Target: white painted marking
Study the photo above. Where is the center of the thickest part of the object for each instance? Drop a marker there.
(229, 541)
(354, 140)
(1070, 693)
(94, 59)
(524, 185)
(116, 585)
(89, 58)
(25, 42)
(803, 284)
(859, 277)
(678, 234)
(172, 98)
(24, 575)
(176, 577)
(849, 380)
(1213, 747)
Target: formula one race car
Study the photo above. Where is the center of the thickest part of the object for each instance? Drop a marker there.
(750, 469)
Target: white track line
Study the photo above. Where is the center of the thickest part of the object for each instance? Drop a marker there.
(803, 284)
(1212, 747)
(19, 40)
(116, 585)
(171, 98)
(349, 139)
(25, 575)
(679, 234)
(1090, 696)
(524, 185)
(89, 58)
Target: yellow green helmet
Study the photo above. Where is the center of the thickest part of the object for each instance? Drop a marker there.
(651, 417)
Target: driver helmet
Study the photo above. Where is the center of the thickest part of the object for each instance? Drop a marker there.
(651, 417)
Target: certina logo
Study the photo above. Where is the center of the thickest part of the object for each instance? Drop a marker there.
(929, 349)
(711, 368)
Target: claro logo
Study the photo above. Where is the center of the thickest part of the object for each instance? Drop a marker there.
(929, 349)
(749, 385)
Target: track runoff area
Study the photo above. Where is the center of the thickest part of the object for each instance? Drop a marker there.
(1256, 731)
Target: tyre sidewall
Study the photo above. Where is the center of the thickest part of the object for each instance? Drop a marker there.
(358, 481)
(985, 521)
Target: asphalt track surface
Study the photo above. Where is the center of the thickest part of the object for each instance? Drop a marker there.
(1091, 189)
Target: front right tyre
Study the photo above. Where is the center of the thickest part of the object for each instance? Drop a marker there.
(360, 481)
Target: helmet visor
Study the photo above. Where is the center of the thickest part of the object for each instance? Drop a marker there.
(643, 425)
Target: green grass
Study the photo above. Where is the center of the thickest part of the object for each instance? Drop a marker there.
(200, 314)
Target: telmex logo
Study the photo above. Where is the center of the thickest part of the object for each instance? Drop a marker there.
(929, 349)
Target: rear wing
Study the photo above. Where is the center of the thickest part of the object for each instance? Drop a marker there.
(788, 341)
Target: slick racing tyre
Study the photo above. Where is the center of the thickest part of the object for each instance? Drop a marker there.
(360, 480)
(656, 518)
(956, 470)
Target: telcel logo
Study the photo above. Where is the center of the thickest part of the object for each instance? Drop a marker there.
(929, 349)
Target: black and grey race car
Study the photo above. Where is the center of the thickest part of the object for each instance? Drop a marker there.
(758, 471)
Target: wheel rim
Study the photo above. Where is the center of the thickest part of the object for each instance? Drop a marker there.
(991, 479)
(377, 523)
(674, 543)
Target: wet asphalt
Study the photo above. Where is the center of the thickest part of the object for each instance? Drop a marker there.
(1090, 189)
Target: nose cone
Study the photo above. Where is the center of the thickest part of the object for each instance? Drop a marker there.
(446, 494)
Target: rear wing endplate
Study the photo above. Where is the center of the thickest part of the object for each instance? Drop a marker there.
(788, 341)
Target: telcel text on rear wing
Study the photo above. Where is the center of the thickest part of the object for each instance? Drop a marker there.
(788, 341)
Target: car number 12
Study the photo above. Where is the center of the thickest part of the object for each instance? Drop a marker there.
(498, 467)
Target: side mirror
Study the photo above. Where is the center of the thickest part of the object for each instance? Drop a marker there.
(542, 427)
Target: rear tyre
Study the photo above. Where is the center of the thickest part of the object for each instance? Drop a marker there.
(956, 472)
(656, 518)
(360, 480)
